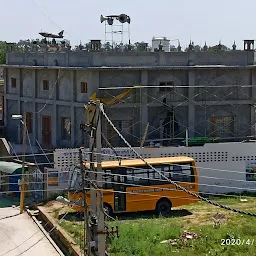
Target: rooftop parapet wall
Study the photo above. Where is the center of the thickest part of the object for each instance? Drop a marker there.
(133, 59)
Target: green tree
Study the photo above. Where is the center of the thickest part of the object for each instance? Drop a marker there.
(215, 48)
(3, 50)
(173, 48)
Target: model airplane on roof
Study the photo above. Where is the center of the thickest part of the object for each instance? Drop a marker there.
(49, 35)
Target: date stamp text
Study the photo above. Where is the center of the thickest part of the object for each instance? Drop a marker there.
(238, 241)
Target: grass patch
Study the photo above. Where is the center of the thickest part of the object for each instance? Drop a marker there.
(141, 233)
(75, 229)
(142, 237)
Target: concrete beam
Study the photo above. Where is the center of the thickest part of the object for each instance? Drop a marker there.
(143, 104)
(73, 116)
(191, 104)
(35, 124)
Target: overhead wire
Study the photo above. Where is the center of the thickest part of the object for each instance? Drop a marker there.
(36, 154)
(181, 103)
(155, 163)
(35, 3)
(149, 192)
(172, 182)
(10, 144)
(51, 94)
(132, 158)
(123, 157)
(43, 152)
(154, 179)
(149, 179)
(66, 189)
(142, 194)
(51, 230)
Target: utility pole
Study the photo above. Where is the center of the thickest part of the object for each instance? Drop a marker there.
(101, 239)
(91, 125)
(93, 122)
(87, 234)
(97, 227)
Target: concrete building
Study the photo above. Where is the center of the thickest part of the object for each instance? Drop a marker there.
(208, 93)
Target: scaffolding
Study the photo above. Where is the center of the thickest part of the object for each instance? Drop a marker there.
(116, 33)
(173, 113)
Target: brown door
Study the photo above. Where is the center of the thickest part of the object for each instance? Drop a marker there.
(47, 131)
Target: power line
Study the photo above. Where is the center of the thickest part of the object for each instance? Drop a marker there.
(153, 179)
(52, 229)
(172, 182)
(37, 154)
(43, 151)
(136, 168)
(149, 194)
(51, 94)
(204, 106)
(133, 158)
(146, 179)
(67, 189)
(35, 3)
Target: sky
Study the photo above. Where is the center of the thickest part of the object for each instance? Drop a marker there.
(185, 20)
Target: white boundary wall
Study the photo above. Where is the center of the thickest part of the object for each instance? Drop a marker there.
(221, 166)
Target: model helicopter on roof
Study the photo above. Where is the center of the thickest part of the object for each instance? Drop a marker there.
(50, 35)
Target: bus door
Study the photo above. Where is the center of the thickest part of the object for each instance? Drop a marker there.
(119, 189)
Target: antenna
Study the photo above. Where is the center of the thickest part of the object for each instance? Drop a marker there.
(114, 33)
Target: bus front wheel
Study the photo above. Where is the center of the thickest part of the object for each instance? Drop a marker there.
(163, 206)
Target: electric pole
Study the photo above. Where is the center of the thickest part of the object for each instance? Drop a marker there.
(97, 226)
(87, 234)
(101, 240)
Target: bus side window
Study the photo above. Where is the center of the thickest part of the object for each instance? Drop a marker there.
(166, 171)
(183, 173)
(188, 173)
(107, 178)
(130, 176)
(176, 172)
(157, 178)
(141, 176)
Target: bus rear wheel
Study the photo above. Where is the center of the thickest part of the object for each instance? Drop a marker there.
(108, 209)
(163, 206)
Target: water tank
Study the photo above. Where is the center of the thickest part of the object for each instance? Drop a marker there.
(165, 42)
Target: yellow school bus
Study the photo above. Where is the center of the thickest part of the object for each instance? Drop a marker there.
(131, 185)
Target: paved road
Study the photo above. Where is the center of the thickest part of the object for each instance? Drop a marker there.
(19, 235)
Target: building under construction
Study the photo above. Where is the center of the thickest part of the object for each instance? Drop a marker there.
(166, 94)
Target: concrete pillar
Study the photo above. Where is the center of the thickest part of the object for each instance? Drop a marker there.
(34, 115)
(54, 112)
(253, 90)
(94, 81)
(19, 86)
(45, 58)
(162, 58)
(191, 107)
(67, 58)
(6, 83)
(143, 103)
(73, 116)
